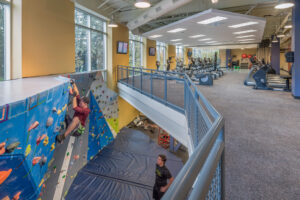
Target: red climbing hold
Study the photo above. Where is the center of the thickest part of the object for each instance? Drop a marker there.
(40, 138)
(36, 160)
(17, 196)
(33, 126)
(2, 148)
(4, 175)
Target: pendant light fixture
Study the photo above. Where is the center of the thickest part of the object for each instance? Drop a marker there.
(283, 4)
(142, 4)
(275, 40)
(280, 34)
(112, 23)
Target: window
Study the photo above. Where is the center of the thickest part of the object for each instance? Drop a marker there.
(4, 42)
(90, 42)
(135, 50)
(179, 53)
(161, 50)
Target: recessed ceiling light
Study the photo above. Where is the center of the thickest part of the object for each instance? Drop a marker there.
(176, 30)
(246, 40)
(284, 5)
(243, 24)
(155, 36)
(245, 36)
(196, 36)
(176, 40)
(212, 20)
(177, 43)
(288, 26)
(142, 4)
(206, 39)
(242, 32)
(211, 42)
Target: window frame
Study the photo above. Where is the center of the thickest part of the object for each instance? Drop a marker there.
(141, 43)
(89, 29)
(160, 46)
(7, 39)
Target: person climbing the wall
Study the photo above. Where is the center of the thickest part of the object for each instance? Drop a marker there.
(161, 179)
(81, 108)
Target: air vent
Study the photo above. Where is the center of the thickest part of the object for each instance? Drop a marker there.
(158, 8)
(145, 16)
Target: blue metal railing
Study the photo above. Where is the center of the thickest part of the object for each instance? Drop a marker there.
(202, 175)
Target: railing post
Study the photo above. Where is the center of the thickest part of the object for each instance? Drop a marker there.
(133, 77)
(127, 74)
(141, 79)
(166, 86)
(151, 84)
(196, 118)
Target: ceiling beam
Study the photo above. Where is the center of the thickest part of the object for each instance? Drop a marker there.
(102, 4)
(250, 10)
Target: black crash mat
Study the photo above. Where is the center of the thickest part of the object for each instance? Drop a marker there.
(125, 170)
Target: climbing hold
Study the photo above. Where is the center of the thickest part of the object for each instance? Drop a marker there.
(43, 160)
(52, 147)
(40, 138)
(64, 176)
(41, 183)
(54, 109)
(64, 108)
(46, 141)
(36, 160)
(4, 175)
(2, 148)
(10, 148)
(93, 135)
(28, 150)
(76, 157)
(33, 126)
(49, 122)
(59, 112)
(17, 196)
(68, 153)
(6, 198)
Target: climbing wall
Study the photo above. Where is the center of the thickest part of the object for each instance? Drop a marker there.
(75, 152)
(27, 141)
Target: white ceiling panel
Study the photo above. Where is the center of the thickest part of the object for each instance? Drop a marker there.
(211, 28)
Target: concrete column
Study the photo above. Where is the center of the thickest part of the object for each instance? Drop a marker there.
(228, 55)
(296, 49)
(275, 56)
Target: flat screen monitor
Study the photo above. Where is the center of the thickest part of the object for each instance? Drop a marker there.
(152, 51)
(122, 47)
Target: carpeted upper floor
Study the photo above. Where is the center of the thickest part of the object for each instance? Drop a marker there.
(262, 144)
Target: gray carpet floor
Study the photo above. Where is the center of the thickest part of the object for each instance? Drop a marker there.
(262, 144)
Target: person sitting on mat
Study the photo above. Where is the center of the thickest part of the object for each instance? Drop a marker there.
(77, 125)
(161, 179)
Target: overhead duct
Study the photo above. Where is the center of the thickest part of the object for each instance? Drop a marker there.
(156, 11)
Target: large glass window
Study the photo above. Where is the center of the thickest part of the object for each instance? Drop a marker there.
(90, 42)
(179, 53)
(161, 54)
(4, 42)
(135, 50)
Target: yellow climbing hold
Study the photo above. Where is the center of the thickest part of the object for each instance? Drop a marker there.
(93, 135)
(28, 150)
(58, 112)
(52, 147)
(46, 141)
(41, 183)
(64, 108)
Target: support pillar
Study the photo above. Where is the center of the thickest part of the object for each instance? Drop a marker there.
(228, 55)
(296, 49)
(275, 56)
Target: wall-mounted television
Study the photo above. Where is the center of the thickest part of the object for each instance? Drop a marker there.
(122, 47)
(152, 51)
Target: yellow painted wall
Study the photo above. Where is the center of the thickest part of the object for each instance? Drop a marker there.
(239, 52)
(126, 112)
(172, 53)
(151, 60)
(48, 37)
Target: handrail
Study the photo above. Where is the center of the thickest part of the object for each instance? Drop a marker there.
(206, 129)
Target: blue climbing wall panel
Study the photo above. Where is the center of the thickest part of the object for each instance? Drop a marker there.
(100, 134)
(27, 136)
